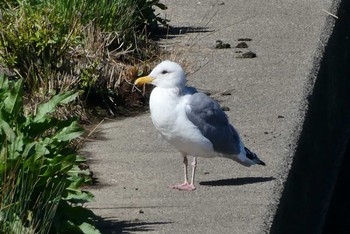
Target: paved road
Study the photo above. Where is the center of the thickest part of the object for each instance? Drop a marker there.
(135, 166)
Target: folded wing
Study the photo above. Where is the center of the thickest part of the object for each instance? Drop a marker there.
(207, 116)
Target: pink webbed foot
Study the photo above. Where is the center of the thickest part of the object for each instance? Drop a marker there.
(184, 186)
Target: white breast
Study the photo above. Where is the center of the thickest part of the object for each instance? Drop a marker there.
(169, 118)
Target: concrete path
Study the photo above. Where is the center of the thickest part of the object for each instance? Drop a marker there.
(267, 102)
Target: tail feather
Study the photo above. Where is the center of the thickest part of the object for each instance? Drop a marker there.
(252, 156)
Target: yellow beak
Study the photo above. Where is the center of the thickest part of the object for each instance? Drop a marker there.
(143, 80)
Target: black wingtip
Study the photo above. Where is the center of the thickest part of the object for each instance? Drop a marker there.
(252, 156)
(259, 162)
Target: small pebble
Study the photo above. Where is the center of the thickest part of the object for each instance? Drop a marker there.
(219, 44)
(248, 54)
(242, 45)
(219, 4)
(226, 93)
(225, 108)
(244, 39)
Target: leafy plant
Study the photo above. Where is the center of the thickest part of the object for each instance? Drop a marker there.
(40, 178)
(35, 43)
(61, 45)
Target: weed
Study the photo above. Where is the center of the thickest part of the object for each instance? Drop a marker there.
(40, 177)
(56, 46)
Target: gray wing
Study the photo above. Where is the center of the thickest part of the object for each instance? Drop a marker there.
(207, 115)
(189, 90)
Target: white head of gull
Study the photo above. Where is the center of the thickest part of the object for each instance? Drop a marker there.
(191, 121)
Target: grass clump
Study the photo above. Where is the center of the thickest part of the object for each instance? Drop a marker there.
(40, 178)
(97, 47)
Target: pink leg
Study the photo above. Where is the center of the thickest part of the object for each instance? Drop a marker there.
(194, 166)
(185, 185)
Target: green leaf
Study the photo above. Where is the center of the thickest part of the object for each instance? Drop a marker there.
(66, 166)
(76, 216)
(76, 171)
(49, 172)
(65, 162)
(5, 128)
(50, 106)
(69, 133)
(36, 129)
(27, 149)
(70, 97)
(88, 228)
(4, 83)
(80, 159)
(40, 151)
(74, 186)
(81, 197)
(13, 101)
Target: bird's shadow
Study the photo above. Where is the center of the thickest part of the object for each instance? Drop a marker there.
(237, 181)
(111, 226)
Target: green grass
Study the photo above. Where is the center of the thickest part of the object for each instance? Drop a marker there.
(86, 45)
(40, 178)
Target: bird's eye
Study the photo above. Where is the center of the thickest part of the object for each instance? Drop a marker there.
(164, 72)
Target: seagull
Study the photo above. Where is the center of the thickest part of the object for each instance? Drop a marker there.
(191, 121)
